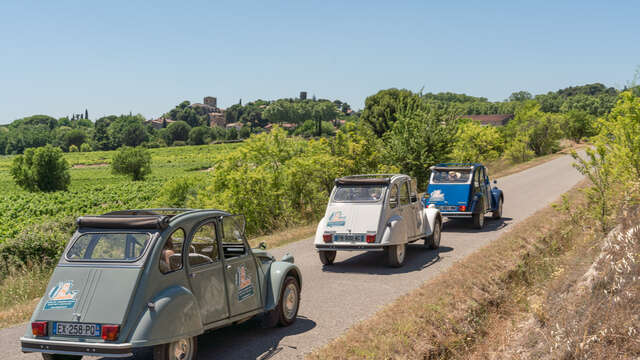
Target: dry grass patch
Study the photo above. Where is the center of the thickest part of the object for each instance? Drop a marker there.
(446, 316)
(285, 236)
(20, 292)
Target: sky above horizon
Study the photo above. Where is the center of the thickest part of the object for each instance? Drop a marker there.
(59, 58)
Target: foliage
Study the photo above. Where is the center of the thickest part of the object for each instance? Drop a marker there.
(518, 149)
(73, 148)
(520, 96)
(127, 130)
(380, 110)
(542, 129)
(179, 192)
(43, 169)
(419, 139)
(178, 131)
(199, 135)
(85, 148)
(133, 162)
(476, 143)
(598, 169)
(310, 129)
(579, 124)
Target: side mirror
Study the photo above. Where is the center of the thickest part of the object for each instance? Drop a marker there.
(414, 198)
(495, 181)
(262, 246)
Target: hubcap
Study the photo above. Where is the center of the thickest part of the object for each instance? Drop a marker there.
(290, 301)
(181, 350)
(400, 252)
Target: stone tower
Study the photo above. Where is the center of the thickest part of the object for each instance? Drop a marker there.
(303, 95)
(211, 101)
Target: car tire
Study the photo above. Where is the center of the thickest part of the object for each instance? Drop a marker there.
(184, 349)
(396, 254)
(498, 213)
(327, 257)
(433, 240)
(478, 220)
(61, 357)
(289, 303)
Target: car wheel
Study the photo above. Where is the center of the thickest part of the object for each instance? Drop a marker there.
(289, 301)
(478, 220)
(327, 257)
(433, 241)
(61, 357)
(498, 213)
(396, 254)
(183, 349)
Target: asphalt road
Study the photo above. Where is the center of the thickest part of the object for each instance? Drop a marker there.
(359, 283)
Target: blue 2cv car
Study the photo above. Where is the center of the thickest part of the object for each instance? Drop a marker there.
(463, 190)
(140, 278)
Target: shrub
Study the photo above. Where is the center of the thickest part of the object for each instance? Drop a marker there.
(73, 148)
(518, 150)
(199, 135)
(179, 192)
(134, 162)
(179, 143)
(85, 147)
(43, 169)
(476, 143)
(178, 131)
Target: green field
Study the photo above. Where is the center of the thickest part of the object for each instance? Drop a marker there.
(94, 189)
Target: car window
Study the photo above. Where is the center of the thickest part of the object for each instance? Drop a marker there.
(171, 256)
(233, 242)
(108, 247)
(441, 176)
(414, 190)
(203, 248)
(404, 193)
(359, 193)
(393, 197)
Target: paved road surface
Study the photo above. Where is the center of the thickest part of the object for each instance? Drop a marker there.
(359, 284)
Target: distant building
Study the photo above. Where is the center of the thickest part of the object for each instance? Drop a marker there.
(160, 122)
(287, 126)
(217, 119)
(495, 120)
(303, 95)
(210, 107)
(237, 125)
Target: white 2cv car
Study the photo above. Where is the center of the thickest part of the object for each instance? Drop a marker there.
(377, 213)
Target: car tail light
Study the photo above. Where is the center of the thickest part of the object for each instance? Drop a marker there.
(371, 238)
(110, 332)
(326, 238)
(462, 208)
(39, 328)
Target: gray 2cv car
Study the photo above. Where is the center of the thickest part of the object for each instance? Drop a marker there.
(158, 278)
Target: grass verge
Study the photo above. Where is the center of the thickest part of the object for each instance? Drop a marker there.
(445, 317)
(20, 292)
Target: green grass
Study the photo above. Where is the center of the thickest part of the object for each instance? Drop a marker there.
(94, 189)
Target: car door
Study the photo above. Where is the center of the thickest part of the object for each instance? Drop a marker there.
(416, 206)
(206, 273)
(405, 204)
(486, 190)
(241, 272)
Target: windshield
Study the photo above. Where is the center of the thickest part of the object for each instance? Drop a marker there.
(359, 193)
(108, 247)
(451, 176)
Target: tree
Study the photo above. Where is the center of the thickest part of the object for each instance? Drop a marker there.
(232, 133)
(520, 96)
(380, 109)
(178, 131)
(518, 149)
(101, 136)
(419, 139)
(476, 143)
(85, 147)
(73, 148)
(199, 135)
(133, 162)
(43, 168)
(579, 124)
(127, 130)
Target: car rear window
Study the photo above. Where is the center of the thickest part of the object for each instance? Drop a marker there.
(451, 176)
(108, 247)
(359, 193)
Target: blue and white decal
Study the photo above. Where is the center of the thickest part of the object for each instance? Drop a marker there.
(61, 296)
(336, 219)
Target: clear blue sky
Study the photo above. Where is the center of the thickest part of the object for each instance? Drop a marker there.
(113, 57)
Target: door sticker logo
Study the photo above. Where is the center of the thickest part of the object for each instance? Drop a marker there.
(336, 219)
(61, 296)
(437, 195)
(243, 283)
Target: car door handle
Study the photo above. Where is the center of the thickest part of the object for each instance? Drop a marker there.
(228, 267)
(192, 275)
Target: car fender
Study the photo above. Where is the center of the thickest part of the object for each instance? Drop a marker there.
(431, 215)
(278, 272)
(319, 231)
(496, 194)
(475, 200)
(172, 314)
(395, 232)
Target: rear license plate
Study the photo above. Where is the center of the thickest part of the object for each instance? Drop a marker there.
(349, 238)
(76, 329)
(448, 208)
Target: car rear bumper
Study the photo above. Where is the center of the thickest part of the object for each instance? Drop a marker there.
(76, 348)
(457, 214)
(349, 247)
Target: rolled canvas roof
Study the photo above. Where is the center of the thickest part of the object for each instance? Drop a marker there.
(124, 221)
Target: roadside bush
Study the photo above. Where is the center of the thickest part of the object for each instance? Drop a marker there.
(133, 162)
(179, 192)
(73, 148)
(518, 150)
(40, 243)
(542, 129)
(476, 143)
(179, 143)
(85, 147)
(43, 169)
